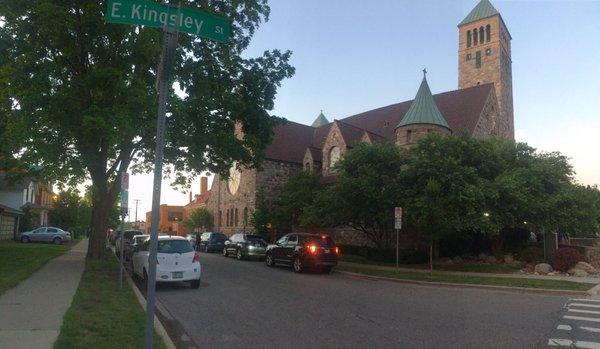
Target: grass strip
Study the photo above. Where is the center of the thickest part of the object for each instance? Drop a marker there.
(18, 261)
(101, 315)
(466, 267)
(471, 280)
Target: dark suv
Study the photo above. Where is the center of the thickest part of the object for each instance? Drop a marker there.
(245, 245)
(210, 242)
(304, 251)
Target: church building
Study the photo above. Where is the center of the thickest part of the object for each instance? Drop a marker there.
(482, 106)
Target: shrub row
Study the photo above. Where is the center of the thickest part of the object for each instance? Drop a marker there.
(387, 255)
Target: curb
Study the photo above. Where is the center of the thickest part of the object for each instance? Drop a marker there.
(158, 326)
(594, 292)
(485, 287)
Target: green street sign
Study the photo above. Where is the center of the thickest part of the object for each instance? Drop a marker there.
(154, 14)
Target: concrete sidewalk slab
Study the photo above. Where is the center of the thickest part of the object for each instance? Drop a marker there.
(32, 312)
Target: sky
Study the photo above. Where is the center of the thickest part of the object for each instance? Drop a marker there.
(352, 56)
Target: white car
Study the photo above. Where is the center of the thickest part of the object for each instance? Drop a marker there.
(177, 261)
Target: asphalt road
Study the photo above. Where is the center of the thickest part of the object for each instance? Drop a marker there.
(244, 304)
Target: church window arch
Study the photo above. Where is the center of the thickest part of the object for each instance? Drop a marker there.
(481, 35)
(220, 218)
(475, 36)
(235, 218)
(245, 216)
(468, 38)
(334, 156)
(227, 218)
(488, 33)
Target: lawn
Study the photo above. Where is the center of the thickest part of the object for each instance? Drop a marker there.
(471, 280)
(101, 315)
(18, 261)
(466, 267)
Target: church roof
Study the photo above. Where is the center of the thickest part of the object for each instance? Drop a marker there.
(320, 120)
(483, 9)
(461, 110)
(423, 109)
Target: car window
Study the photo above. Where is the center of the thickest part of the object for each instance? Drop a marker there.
(324, 240)
(52, 231)
(220, 236)
(282, 241)
(293, 239)
(254, 238)
(205, 236)
(39, 231)
(234, 238)
(174, 246)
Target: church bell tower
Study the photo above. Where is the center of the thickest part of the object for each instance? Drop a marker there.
(484, 57)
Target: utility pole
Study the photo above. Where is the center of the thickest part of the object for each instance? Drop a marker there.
(137, 201)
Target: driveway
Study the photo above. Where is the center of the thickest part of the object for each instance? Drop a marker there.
(243, 304)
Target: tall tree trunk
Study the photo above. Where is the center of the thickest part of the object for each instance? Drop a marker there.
(100, 214)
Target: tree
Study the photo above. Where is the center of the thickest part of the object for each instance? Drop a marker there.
(264, 219)
(83, 102)
(365, 194)
(298, 193)
(199, 218)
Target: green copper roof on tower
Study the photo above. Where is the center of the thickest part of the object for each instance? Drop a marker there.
(423, 109)
(484, 9)
(320, 120)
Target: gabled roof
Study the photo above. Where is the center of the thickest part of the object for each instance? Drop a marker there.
(350, 133)
(320, 120)
(289, 142)
(423, 109)
(317, 154)
(483, 9)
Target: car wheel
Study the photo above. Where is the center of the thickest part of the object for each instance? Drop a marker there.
(269, 260)
(25, 239)
(57, 241)
(326, 270)
(298, 268)
(239, 255)
(195, 284)
(225, 253)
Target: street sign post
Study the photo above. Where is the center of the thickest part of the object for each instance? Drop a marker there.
(154, 14)
(398, 226)
(172, 19)
(124, 195)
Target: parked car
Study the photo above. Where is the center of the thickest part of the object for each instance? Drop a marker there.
(303, 251)
(176, 261)
(127, 237)
(46, 234)
(113, 236)
(210, 242)
(137, 240)
(245, 245)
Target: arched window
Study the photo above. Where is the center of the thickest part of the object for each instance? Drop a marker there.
(475, 36)
(307, 166)
(481, 35)
(245, 216)
(236, 217)
(227, 218)
(220, 218)
(488, 33)
(468, 38)
(334, 156)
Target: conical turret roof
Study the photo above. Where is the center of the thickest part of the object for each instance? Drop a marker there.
(423, 109)
(320, 120)
(483, 9)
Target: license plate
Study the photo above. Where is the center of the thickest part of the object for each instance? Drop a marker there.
(177, 275)
(326, 250)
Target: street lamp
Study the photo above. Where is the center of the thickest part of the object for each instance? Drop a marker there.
(486, 214)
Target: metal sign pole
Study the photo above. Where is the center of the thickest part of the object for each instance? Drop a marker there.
(397, 247)
(121, 253)
(169, 46)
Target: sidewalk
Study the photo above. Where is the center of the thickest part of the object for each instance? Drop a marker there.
(593, 280)
(31, 313)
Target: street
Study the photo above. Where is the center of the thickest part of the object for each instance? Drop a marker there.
(246, 304)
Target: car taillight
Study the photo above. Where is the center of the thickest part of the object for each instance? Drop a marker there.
(337, 250)
(196, 257)
(312, 248)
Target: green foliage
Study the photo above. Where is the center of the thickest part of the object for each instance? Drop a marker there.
(199, 218)
(365, 194)
(384, 255)
(264, 219)
(296, 196)
(80, 96)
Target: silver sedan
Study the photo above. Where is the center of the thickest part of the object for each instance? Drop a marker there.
(46, 234)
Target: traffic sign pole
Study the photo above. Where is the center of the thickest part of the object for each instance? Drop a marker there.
(168, 53)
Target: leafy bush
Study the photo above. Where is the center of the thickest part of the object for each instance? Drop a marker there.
(531, 254)
(566, 258)
(387, 255)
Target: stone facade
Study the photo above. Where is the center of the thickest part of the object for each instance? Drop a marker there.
(334, 140)
(486, 126)
(409, 135)
(488, 61)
